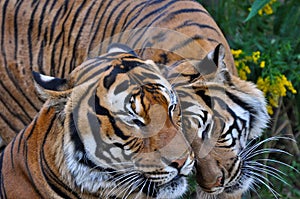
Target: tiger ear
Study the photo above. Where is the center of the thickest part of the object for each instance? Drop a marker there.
(51, 87)
(118, 47)
(213, 65)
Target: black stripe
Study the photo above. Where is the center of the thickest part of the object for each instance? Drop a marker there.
(125, 24)
(116, 22)
(108, 21)
(98, 72)
(74, 48)
(91, 42)
(24, 121)
(124, 85)
(75, 18)
(29, 35)
(54, 21)
(8, 73)
(231, 169)
(58, 40)
(49, 175)
(33, 125)
(160, 11)
(53, 4)
(206, 98)
(125, 67)
(100, 110)
(40, 60)
(183, 11)
(29, 174)
(143, 31)
(168, 17)
(8, 122)
(79, 146)
(245, 106)
(186, 42)
(189, 23)
(12, 150)
(98, 27)
(41, 20)
(154, 12)
(137, 14)
(2, 187)
(16, 34)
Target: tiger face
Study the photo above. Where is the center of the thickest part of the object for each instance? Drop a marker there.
(122, 129)
(221, 113)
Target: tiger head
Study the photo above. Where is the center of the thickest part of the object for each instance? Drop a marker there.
(221, 113)
(121, 129)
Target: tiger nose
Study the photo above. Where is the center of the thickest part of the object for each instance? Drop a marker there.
(219, 181)
(178, 164)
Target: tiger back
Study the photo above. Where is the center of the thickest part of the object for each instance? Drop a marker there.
(53, 37)
(98, 135)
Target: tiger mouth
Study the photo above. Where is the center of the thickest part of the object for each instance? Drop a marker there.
(149, 187)
(153, 189)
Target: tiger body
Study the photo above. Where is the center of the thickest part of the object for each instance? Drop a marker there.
(221, 113)
(72, 150)
(52, 37)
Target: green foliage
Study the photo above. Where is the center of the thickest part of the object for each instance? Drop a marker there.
(256, 6)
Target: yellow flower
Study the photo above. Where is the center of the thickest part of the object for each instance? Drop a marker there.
(270, 109)
(236, 53)
(242, 74)
(255, 56)
(247, 69)
(263, 84)
(262, 64)
(267, 8)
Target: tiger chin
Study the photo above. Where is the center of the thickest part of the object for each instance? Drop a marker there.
(110, 130)
(222, 116)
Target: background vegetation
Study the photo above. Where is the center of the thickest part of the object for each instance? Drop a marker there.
(265, 39)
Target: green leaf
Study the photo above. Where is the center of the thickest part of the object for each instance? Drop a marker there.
(256, 6)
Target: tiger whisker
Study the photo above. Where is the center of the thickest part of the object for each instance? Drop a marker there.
(260, 165)
(269, 172)
(148, 191)
(279, 162)
(124, 177)
(141, 190)
(110, 184)
(122, 163)
(248, 150)
(259, 178)
(128, 183)
(264, 151)
(140, 181)
(130, 187)
(252, 187)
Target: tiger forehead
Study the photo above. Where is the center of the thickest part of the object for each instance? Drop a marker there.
(152, 93)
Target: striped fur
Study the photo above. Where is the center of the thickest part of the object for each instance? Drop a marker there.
(52, 37)
(221, 114)
(100, 138)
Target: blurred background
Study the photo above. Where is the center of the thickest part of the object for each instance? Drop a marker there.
(264, 36)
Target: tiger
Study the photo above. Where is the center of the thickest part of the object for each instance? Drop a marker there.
(98, 135)
(53, 37)
(222, 117)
